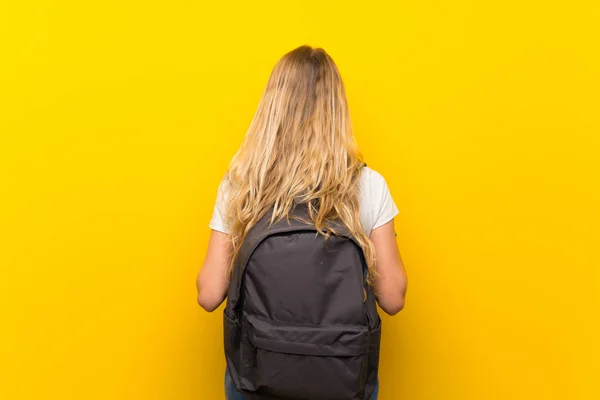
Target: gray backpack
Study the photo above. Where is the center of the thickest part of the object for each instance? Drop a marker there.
(296, 324)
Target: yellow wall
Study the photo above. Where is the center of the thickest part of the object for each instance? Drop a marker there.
(118, 119)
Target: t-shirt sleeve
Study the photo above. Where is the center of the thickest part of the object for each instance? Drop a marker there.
(218, 222)
(383, 205)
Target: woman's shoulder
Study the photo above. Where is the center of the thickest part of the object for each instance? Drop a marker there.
(371, 177)
(373, 186)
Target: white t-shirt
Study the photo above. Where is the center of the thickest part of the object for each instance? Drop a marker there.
(375, 201)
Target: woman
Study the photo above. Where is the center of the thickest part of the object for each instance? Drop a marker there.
(300, 149)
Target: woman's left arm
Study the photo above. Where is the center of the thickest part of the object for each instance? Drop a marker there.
(213, 279)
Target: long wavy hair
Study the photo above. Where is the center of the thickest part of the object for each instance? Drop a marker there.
(299, 149)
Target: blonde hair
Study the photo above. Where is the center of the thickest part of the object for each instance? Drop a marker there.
(299, 149)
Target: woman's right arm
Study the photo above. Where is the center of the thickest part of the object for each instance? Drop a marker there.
(391, 282)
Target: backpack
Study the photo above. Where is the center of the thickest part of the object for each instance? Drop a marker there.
(297, 323)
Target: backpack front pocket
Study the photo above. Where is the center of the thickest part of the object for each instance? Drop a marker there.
(305, 362)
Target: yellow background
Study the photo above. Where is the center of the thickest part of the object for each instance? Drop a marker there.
(118, 118)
